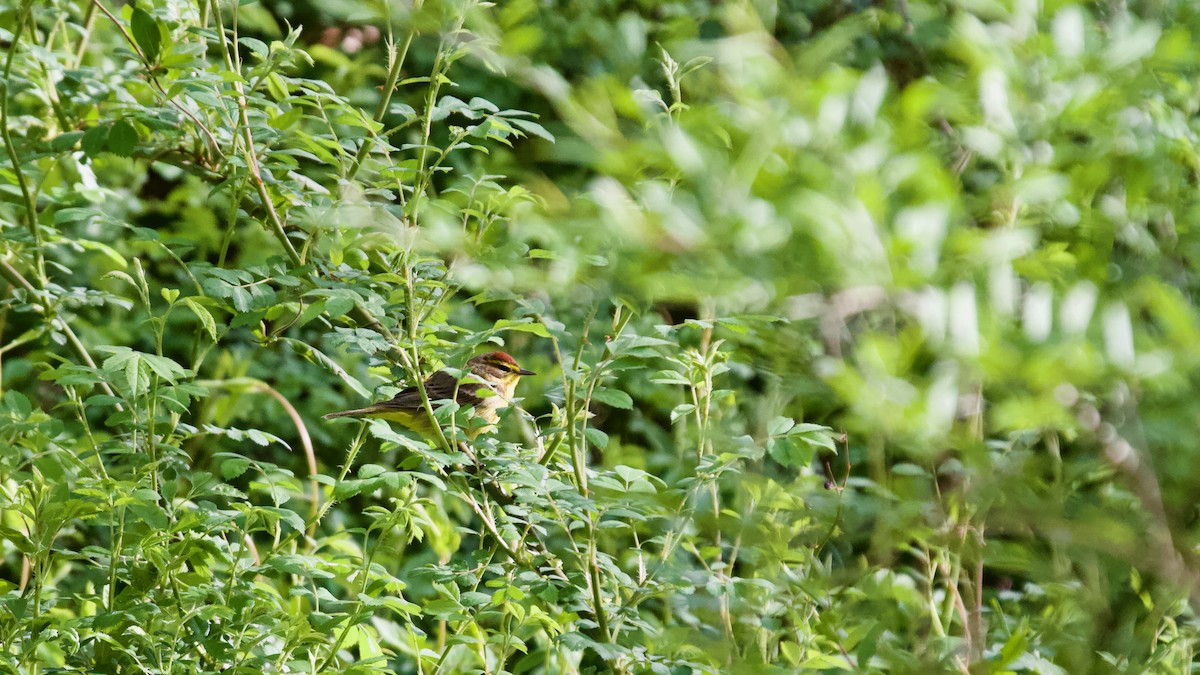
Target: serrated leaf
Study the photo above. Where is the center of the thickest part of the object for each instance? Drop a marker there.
(258, 47)
(18, 403)
(321, 359)
(65, 141)
(817, 439)
(133, 375)
(525, 326)
(780, 425)
(234, 467)
(532, 128)
(300, 565)
(669, 377)
(205, 317)
(165, 368)
(788, 452)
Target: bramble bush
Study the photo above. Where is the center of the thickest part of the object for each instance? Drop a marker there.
(864, 332)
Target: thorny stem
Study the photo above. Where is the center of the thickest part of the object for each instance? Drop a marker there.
(413, 363)
(594, 582)
(572, 410)
(389, 88)
(256, 174)
(435, 85)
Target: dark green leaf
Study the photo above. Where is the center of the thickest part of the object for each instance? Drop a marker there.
(146, 34)
(122, 138)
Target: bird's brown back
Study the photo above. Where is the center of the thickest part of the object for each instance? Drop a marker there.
(439, 387)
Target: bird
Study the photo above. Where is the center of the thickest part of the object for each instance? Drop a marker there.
(495, 371)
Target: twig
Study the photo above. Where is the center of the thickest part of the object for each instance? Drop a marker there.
(256, 175)
(261, 387)
(397, 63)
(594, 582)
(30, 202)
(89, 19)
(14, 277)
(212, 139)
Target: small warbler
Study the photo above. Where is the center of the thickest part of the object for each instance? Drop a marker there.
(495, 371)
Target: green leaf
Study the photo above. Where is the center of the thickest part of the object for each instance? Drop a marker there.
(789, 452)
(146, 34)
(338, 301)
(288, 516)
(94, 139)
(695, 63)
(66, 141)
(670, 377)
(613, 397)
(258, 47)
(579, 642)
(318, 357)
(17, 403)
(105, 250)
(234, 467)
(122, 138)
(681, 410)
(523, 325)
(259, 438)
(596, 437)
(818, 437)
(780, 425)
(134, 378)
(205, 317)
(533, 128)
(165, 368)
(300, 565)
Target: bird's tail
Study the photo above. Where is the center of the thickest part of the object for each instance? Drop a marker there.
(357, 412)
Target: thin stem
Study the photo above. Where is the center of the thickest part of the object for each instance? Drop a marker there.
(30, 204)
(414, 362)
(3, 324)
(232, 224)
(256, 175)
(572, 409)
(350, 457)
(594, 582)
(60, 115)
(89, 19)
(14, 277)
(212, 139)
(310, 456)
(435, 85)
(365, 575)
(397, 63)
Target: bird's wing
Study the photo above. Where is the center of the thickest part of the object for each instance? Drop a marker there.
(439, 387)
(467, 393)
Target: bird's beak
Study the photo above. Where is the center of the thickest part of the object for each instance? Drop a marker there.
(525, 372)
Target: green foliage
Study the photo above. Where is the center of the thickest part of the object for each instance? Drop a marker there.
(864, 336)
